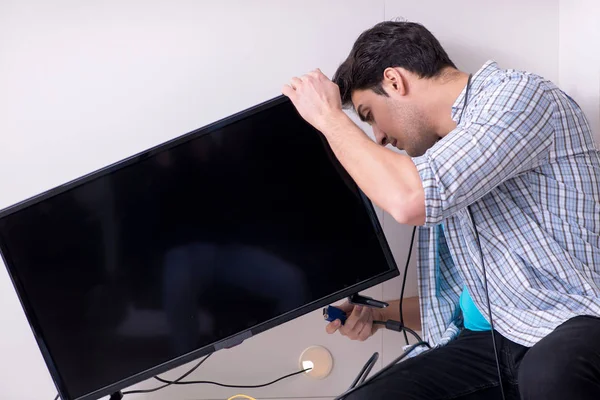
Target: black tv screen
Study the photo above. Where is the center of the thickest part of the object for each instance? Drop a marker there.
(189, 247)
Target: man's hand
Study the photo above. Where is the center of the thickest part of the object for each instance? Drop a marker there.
(359, 324)
(316, 98)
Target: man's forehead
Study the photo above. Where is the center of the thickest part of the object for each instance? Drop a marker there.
(354, 97)
(359, 99)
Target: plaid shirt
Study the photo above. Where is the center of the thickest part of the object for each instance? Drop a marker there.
(523, 157)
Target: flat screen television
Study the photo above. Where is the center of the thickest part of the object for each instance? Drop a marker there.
(189, 247)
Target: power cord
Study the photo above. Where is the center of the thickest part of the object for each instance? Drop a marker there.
(489, 307)
(487, 295)
(398, 326)
(412, 241)
(168, 382)
(195, 367)
(365, 371)
(178, 381)
(381, 371)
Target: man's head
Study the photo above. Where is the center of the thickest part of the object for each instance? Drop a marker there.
(390, 77)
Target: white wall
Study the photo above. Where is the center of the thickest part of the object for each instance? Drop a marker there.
(85, 84)
(519, 34)
(579, 65)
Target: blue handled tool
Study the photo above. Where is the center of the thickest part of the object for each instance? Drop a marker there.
(331, 313)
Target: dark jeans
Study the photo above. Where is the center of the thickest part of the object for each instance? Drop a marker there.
(563, 365)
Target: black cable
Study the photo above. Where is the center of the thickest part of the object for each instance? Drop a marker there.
(415, 335)
(366, 374)
(195, 367)
(230, 386)
(366, 369)
(487, 296)
(56, 398)
(412, 240)
(381, 371)
(397, 326)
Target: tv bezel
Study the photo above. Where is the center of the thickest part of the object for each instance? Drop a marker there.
(215, 346)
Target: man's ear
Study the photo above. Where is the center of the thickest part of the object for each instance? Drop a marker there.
(394, 81)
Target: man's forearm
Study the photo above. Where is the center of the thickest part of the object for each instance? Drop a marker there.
(410, 311)
(389, 179)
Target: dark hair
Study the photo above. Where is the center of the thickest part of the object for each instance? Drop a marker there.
(389, 44)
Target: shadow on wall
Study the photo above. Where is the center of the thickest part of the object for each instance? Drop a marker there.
(470, 59)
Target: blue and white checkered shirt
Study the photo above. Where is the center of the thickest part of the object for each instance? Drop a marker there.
(523, 157)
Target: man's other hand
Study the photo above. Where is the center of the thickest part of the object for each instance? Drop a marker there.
(359, 323)
(316, 98)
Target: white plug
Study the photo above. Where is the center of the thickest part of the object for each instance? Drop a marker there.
(318, 359)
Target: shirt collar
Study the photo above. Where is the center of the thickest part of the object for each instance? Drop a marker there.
(476, 85)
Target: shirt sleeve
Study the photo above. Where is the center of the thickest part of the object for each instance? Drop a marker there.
(510, 132)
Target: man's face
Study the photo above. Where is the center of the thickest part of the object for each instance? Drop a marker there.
(395, 120)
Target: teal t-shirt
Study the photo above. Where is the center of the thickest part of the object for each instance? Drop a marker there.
(473, 319)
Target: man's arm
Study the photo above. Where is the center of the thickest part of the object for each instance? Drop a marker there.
(512, 132)
(389, 179)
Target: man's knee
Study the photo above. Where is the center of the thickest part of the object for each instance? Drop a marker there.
(539, 368)
(556, 372)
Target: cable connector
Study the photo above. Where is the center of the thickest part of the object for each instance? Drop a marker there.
(392, 325)
(398, 327)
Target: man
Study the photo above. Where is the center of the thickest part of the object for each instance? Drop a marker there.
(503, 178)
